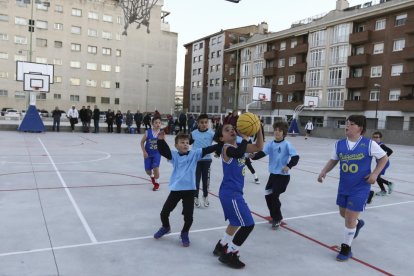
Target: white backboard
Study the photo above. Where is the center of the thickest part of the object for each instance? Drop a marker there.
(311, 101)
(23, 67)
(33, 81)
(262, 94)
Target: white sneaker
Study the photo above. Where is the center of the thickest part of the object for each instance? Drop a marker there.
(257, 181)
(206, 203)
(197, 202)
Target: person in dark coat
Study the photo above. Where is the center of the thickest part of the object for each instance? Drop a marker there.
(129, 120)
(138, 120)
(118, 121)
(83, 115)
(182, 119)
(96, 117)
(110, 116)
(147, 121)
(56, 118)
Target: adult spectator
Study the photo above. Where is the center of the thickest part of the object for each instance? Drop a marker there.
(73, 116)
(182, 120)
(147, 121)
(129, 120)
(83, 115)
(88, 118)
(110, 116)
(96, 117)
(157, 114)
(308, 129)
(138, 120)
(118, 121)
(56, 118)
(190, 123)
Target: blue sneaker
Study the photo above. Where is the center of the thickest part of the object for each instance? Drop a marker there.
(344, 254)
(184, 239)
(161, 232)
(360, 224)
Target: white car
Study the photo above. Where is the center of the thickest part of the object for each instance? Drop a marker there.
(12, 113)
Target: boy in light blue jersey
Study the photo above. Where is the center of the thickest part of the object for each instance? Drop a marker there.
(354, 155)
(282, 157)
(202, 137)
(182, 181)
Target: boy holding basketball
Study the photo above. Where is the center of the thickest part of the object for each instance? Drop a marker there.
(282, 158)
(152, 157)
(354, 153)
(202, 137)
(182, 182)
(235, 208)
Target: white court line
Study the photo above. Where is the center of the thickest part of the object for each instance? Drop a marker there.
(72, 200)
(172, 234)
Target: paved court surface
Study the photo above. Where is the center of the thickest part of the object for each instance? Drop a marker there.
(81, 204)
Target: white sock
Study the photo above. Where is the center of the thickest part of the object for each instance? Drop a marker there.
(233, 248)
(349, 234)
(255, 176)
(226, 239)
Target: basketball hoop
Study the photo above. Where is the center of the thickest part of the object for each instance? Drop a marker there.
(312, 107)
(137, 11)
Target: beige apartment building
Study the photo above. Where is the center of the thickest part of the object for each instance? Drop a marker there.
(93, 62)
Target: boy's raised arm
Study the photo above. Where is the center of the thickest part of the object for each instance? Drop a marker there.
(163, 147)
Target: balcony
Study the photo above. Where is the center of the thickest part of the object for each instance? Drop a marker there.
(358, 60)
(355, 105)
(298, 86)
(300, 49)
(300, 67)
(271, 71)
(357, 82)
(360, 37)
(409, 27)
(407, 79)
(270, 54)
(408, 53)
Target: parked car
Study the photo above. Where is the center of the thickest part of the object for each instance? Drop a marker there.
(3, 110)
(43, 113)
(12, 112)
(102, 115)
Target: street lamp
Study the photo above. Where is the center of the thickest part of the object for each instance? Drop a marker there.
(377, 95)
(148, 66)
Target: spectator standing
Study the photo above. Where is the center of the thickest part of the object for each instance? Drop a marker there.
(182, 120)
(190, 123)
(56, 118)
(73, 116)
(147, 121)
(96, 117)
(308, 129)
(129, 120)
(138, 120)
(89, 114)
(110, 116)
(118, 121)
(83, 117)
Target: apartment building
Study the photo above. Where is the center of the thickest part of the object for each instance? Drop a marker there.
(93, 62)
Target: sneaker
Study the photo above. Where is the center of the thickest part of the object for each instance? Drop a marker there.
(219, 249)
(184, 239)
(197, 202)
(275, 224)
(345, 253)
(390, 187)
(156, 187)
(232, 260)
(360, 224)
(257, 181)
(161, 232)
(381, 193)
(206, 202)
(370, 196)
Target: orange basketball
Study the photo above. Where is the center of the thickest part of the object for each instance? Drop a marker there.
(248, 124)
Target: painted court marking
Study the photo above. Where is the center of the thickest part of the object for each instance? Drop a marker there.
(72, 200)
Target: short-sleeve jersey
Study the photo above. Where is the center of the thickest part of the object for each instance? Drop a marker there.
(355, 165)
(279, 155)
(151, 143)
(233, 175)
(184, 167)
(202, 139)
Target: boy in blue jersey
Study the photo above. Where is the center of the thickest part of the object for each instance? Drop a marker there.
(354, 153)
(152, 157)
(231, 194)
(202, 137)
(282, 157)
(182, 181)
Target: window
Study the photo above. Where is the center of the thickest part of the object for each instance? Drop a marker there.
(337, 76)
(4, 55)
(106, 67)
(317, 57)
(41, 7)
(41, 24)
(58, 79)
(75, 64)
(41, 96)
(4, 17)
(58, 26)
(398, 45)
(200, 58)
(4, 75)
(380, 24)
(317, 38)
(201, 45)
(279, 97)
(41, 60)
(213, 41)
(20, 21)
(195, 48)
(213, 54)
(59, 8)
(116, 100)
(378, 48)
(339, 54)
(91, 66)
(117, 69)
(374, 95)
(106, 84)
(76, 12)
(118, 52)
(200, 71)
(396, 69)
(280, 80)
(217, 81)
(198, 96)
(74, 98)
(281, 63)
(93, 32)
(91, 83)
(291, 79)
(40, 42)
(400, 20)
(75, 30)
(315, 78)
(292, 61)
(359, 50)
(118, 36)
(90, 99)
(92, 49)
(105, 100)
(20, 95)
(20, 39)
(394, 95)
(93, 15)
(376, 71)
(117, 84)
(106, 51)
(75, 47)
(293, 43)
(57, 61)
(57, 96)
(20, 58)
(357, 73)
(74, 81)
(106, 35)
(195, 72)
(340, 33)
(107, 18)
(335, 98)
(282, 45)
(4, 36)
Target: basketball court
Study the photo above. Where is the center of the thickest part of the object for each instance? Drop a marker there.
(81, 204)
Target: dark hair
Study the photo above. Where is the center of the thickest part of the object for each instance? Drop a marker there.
(218, 134)
(377, 133)
(181, 136)
(155, 118)
(359, 120)
(281, 125)
(202, 116)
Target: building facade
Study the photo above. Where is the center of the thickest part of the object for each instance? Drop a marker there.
(93, 62)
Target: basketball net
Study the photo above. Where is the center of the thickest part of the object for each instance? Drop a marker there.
(137, 11)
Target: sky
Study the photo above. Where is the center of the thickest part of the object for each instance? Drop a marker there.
(194, 19)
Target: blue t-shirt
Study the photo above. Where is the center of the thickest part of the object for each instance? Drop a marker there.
(184, 167)
(279, 155)
(233, 175)
(151, 143)
(202, 139)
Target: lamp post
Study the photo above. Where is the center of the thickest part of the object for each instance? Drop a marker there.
(377, 95)
(148, 66)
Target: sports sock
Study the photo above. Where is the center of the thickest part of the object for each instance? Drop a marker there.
(349, 234)
(233, 248)
(226, 239)
(153, 180)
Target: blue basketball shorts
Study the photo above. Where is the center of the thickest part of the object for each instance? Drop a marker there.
(152, 162)
(236, 210)
(354, 202)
